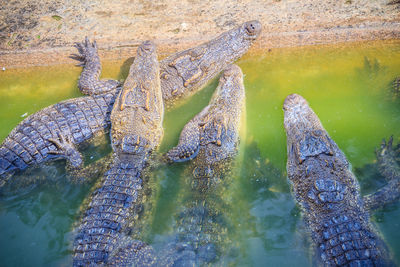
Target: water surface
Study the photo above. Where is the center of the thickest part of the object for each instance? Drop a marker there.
(348, 86)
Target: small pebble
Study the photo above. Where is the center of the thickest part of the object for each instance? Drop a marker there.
(184, 26)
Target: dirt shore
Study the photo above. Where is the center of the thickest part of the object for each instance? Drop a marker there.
(42, 32)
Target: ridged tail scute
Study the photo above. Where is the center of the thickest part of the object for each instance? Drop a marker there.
(78, 119)
(346, 241)
(108, 214)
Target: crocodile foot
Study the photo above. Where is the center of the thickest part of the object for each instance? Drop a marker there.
(189, 144)
(67, 150)
(87, 51)
(388, 159)
(388, 165)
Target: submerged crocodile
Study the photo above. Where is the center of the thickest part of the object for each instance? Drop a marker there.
(136, 131)
(395, 88)
(328, 192)
(211, 140)
(387, 160)
(79, 119)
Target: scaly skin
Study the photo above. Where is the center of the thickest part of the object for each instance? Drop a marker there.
(328, 192)
(396, 88)
(203, 63)
(200, 231)
(184, 73)
(76, 119)
(136, 132)
(389, 168)
(213, 135)
(89, 82)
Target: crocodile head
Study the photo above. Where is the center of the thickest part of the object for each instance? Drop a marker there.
(183, 73)
(212, 135)
(146, 49)
(252, 29)
(138, 111)
(306, 137)
(219, 127)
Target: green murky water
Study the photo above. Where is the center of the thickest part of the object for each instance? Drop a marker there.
(346, 85)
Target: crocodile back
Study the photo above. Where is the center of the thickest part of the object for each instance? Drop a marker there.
(136, 131)
(105, 221)
(79, 119)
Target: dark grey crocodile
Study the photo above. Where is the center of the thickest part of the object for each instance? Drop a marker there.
(210, 140)
(328, 193)
(387, 160)
(136, 132)
(395, 88)
(82, 118)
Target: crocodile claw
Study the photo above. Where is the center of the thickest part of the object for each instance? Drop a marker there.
(182, 153)
(66, 149)
(86, 51)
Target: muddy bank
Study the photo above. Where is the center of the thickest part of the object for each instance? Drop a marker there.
(40, 32)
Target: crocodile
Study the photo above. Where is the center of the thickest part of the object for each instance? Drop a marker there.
(395, 87)
(136, 132)
(387, 160)
(328, 193)
(80, 119)
(210, 141)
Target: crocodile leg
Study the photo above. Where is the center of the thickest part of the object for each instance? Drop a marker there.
(89, 82)
(78, 119)
(67, 150)
(77, 172)
(189, 140)
(390, 169)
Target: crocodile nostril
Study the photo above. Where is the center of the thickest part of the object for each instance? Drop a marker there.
(147, 46)
(253, 28)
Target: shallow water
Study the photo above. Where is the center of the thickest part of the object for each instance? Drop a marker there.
(348, 86)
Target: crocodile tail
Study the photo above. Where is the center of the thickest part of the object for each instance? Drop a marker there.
(105, 221)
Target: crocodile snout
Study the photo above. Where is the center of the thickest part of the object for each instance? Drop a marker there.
(253, 28)
(293, 100)
(147, 46)
(232, 70)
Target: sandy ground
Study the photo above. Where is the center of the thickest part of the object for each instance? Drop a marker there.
(41, 32)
